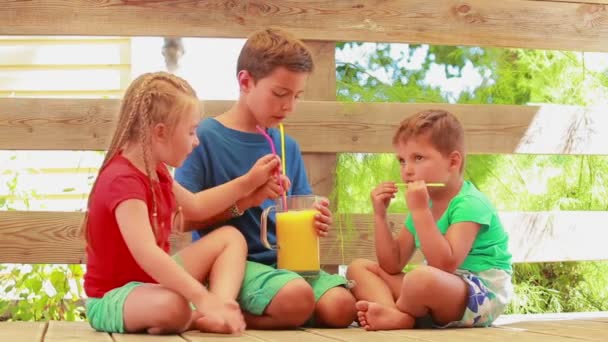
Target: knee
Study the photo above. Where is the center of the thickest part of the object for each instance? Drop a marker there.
(231, 235)
(359, 267)
(421, 279)
(295, 303)
(336, 308)
(174, 313)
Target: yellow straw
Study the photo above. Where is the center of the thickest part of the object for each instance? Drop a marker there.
(283, 148)
(427, 184)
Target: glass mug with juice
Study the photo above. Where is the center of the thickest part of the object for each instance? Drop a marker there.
(297, 239)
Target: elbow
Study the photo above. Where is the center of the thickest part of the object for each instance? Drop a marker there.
(390, 268)
(448, 266)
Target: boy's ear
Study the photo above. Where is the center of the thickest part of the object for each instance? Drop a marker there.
(455, 160)
(245, 80)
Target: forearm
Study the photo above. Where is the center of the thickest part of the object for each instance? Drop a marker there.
(387, 249)
(192, 224)
(214, 203)
(435, 247)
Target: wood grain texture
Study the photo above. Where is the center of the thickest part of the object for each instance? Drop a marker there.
(325, 126)
(572, 25)
(52, 237)
(63, 331)
(22, 331)
(321, 85)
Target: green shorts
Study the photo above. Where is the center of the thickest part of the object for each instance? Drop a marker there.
(263, 282)
(106, 313)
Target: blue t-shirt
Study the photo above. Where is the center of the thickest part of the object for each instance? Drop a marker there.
(225, 154)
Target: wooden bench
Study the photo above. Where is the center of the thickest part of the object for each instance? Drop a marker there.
(325, 128)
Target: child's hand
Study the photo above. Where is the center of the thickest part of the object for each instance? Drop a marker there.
(221, 315)
(323, 218)
(381, 197)
(285, 182)
(270, 190)
(263, 169)
(417, 196)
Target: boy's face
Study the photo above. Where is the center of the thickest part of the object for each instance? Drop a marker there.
(420, 160)
(273, 97)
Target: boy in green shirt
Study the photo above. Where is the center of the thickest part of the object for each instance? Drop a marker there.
(466, 281)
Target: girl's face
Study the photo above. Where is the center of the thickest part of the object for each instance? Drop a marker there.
(174, 145)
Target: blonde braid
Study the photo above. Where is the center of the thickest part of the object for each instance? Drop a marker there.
(128, 117)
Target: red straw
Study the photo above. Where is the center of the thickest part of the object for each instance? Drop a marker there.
(274, 151)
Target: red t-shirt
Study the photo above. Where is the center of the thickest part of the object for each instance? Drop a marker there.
(109, 263)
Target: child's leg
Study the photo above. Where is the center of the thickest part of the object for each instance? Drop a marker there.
(425, 290)
(335, 305)
(275, 299)
(219, 257)
(373, 284)
(154, 309)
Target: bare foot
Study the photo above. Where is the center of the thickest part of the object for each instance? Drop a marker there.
(210, 325)
(373, 316)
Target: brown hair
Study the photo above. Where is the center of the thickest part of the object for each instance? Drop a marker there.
(151, 98)
(445, 131)
(267, 49)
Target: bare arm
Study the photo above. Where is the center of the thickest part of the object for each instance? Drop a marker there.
(213, 203)
(443, 252)
(392, 253)
(132, 218)
(270, 189)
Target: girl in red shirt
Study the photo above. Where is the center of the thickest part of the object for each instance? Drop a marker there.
(132, 282)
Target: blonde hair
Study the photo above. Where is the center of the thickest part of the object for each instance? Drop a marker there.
(443, 128)
(267, 49)
(151, 98)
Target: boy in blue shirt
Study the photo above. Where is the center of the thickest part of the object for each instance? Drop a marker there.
(272, 70)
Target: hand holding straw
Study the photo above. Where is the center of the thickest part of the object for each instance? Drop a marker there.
(274, 151)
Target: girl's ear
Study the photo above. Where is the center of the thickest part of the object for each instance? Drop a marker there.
(160, 132)
(245, 80)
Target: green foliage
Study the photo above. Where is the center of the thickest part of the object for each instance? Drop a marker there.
(38, 292)
(43, 293)
(390, 73)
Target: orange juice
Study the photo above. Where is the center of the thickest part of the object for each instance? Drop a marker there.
(298, 242)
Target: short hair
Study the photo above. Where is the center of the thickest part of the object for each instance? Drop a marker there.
(444, 129)
(270, 48)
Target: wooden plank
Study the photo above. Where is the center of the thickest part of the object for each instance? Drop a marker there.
(22, 331)
(321, 85)
(533, 237)
(507, 23)
(579, 329)
(195, 336)
(286, 335)
(52, 237)
(477, 334)
(62, 331)
(147, 338)
(325, 126)
(357, 335)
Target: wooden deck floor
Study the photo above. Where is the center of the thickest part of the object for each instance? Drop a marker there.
(568, 328)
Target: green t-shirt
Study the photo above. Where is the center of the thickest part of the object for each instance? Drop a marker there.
(490, 249)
